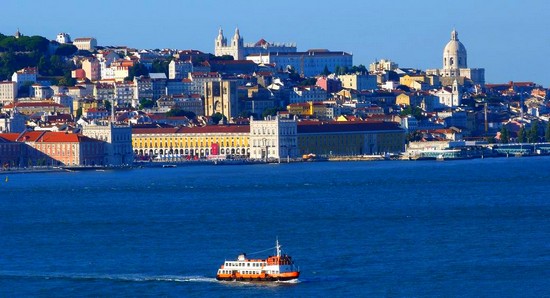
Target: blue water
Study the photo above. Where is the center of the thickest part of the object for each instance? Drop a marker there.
(473, 228)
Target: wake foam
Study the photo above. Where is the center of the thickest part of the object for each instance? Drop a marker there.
(113, 277)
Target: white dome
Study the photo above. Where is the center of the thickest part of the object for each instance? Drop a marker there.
(454, 53)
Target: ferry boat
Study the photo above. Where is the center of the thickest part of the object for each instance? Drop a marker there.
(279, 267)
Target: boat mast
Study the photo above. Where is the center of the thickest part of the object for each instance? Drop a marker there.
(278, 247)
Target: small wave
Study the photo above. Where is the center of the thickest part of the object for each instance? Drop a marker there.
(260, 283)
(114, 277)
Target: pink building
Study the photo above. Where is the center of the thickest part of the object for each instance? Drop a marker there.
(329, 84)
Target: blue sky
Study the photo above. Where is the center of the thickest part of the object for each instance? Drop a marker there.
(510, 39)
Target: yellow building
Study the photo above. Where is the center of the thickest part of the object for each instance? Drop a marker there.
(85, 104)
(300, 109)
(403, 99)
(350, 138)
(408, 80)
(318, 109)
(191, 141)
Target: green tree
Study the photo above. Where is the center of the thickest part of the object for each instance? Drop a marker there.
(533, 133)
(175, 112)
(504, 135)
(217, 117)
(272, 111)
(325, 72)
(521, 135)
(547, 132)
(359, 68)
(416, 112)
(66, 50)
(79, 112)
(146, 104)
(137, 70)
(67, 80)
(107, 105)
(160, 65)
(308, 82)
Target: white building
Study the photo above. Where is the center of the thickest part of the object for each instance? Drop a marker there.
(118, 140)
(124, 93)
(63, 38)
(449, 97)
(25, 75)
(143, 89)
(12, 122)
(85, 43)
(63, 99)
(105, 59)
(8, 92)
(273, 138)
(179, 69)
(199, 79)
(239, 50)
(307, 94)
(310, 63)
(40, 92)
(383, 65)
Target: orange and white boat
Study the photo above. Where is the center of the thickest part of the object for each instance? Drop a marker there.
(279, 267)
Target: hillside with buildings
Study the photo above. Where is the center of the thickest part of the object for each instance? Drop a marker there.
(75, 102)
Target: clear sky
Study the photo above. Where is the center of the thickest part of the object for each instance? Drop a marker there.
(510, 39)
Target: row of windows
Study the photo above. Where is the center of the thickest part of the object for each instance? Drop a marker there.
(185, 145)
(247, 264)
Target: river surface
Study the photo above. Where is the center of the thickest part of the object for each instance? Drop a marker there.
(469, 228)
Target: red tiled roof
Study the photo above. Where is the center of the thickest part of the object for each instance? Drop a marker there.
(11, 137)
(196, 129)
(305, 127)
(33, 104)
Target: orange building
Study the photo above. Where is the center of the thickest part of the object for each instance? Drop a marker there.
(46, 148)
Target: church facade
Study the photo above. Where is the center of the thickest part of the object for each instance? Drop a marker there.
(239, 50)
(455, 63)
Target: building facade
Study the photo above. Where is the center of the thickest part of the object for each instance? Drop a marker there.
(221, 97)
(350, 138)
(239, 50)
(8, 92)
(179, 69)
(191, 142)
(92, 69)
(273, 138)
(310, 63)
(63, 38)
(85, 43)
(46, 148)
(358, 82)
(117, 139)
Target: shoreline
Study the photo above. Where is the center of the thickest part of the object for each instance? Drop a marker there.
(175, 164)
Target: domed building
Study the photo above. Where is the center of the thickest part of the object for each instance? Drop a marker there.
(455, 64)
(454, 56)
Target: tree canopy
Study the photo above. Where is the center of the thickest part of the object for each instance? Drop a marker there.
(217, 117)
(34, 51)
(174, 112)
(137, 70)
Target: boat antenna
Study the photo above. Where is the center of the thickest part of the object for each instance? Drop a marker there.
(278, 247)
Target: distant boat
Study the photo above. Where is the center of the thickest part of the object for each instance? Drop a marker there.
(6, 178)
(440, 157)
(279, 267)
(169, 166)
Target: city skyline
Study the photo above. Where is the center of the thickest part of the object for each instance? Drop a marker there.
(410, 36)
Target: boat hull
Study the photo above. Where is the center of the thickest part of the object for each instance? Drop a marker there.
(279, 277)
